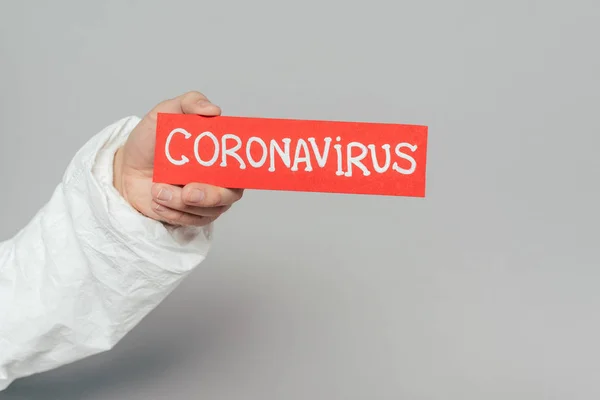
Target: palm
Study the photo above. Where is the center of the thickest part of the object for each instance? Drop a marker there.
(138, 152)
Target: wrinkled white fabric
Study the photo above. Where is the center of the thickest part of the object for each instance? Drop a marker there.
(87, 268)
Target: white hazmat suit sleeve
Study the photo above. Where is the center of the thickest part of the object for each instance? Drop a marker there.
(87, 268)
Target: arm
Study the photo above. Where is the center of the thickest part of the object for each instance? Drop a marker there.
(87, 268)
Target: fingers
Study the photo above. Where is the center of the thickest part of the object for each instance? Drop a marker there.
(176, 217)
(195, 204)
(203, 195)
(197, 103)
(173, 197)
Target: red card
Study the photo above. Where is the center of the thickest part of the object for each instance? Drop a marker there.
(293, 155)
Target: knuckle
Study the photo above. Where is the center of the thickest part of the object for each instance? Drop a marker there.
(194, 221)
(154, 191)
(194, 96)
(160, 106)
(201, 221)
(177, 217)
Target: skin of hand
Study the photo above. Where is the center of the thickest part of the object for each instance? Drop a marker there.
(195, 204)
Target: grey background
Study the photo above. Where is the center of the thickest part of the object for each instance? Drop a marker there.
(486, 289)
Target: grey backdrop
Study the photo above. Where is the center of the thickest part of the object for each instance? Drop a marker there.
(487, 289)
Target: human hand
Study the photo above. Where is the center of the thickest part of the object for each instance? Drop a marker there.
(195, 204)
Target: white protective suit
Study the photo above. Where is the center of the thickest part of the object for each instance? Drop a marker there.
(87, 268)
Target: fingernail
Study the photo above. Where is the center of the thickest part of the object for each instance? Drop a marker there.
(196, 196)
(158, 207)
(164, 195)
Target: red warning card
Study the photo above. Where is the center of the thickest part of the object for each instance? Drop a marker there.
(293, 155)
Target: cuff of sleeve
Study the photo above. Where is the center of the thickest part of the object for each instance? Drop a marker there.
(174, 249)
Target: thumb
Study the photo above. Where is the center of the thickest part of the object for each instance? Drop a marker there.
(197, 103)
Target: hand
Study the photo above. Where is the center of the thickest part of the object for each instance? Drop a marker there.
(195, 204)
